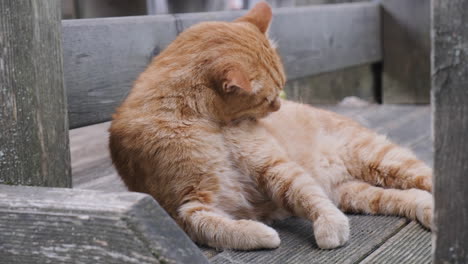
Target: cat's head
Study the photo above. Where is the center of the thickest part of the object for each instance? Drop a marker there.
(239, 62)
(252, 75)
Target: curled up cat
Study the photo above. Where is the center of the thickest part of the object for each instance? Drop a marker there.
(204, 132)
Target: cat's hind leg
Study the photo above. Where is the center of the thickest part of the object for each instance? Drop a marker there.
(374, 159)
(361, 197)
(209, 226)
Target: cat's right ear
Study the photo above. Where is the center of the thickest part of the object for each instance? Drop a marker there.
(260, 15)
(236, 80)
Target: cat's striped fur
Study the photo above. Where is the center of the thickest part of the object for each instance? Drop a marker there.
(196, 135)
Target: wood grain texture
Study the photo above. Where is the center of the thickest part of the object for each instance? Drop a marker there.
(53, 225)
(406, 51)
(102, 57)
(298, 243)
(33, 118)
(411, 245)
(91, 164)
(450, 100)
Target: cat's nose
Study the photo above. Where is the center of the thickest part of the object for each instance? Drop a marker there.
(275, 105)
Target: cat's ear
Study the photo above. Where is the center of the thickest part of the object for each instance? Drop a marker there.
(260, 15)
(236, 80)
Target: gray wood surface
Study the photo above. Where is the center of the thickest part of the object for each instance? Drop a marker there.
(332, 87)
(55, 225)
(406, 125)
(33, 118)
(102, 57)
(406, 51)
(298, 243)
(412, 244)
(450, 100)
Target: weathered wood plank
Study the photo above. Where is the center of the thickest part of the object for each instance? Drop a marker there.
(450, 100)
(406, 51)
(298, 242)
(91, 164)
(52, 225)
(33, 118)
(410, 245)
(332, 87)
(102, 57)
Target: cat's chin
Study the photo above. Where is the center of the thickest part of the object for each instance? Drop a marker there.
(248, 118)
(237, 121)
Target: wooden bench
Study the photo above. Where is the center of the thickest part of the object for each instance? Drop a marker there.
(102, 57)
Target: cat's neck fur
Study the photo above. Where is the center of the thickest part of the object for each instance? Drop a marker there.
(197, 94)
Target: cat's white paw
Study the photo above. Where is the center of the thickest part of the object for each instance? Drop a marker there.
(258, 235)
(331, 230)
(424, 210)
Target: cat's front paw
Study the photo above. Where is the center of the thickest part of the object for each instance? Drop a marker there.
(257, 235)
(424, 210)
(331, 230)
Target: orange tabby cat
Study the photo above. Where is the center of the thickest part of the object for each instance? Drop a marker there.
(196, 135)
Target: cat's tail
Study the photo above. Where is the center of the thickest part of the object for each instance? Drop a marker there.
(374, 159)
(208, 226)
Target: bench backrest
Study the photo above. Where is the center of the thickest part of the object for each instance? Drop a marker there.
(102, 57)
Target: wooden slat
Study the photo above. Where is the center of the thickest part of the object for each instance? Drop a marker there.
(102, 57)
(33, 117)
(53, 225)
(411, 245)
(450, 100)
(406, 51)
(298, 243)
(320, 39)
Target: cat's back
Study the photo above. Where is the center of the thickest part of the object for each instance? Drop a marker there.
(304, 131)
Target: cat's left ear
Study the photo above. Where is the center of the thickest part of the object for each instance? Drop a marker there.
(236, 80)
(260, 15)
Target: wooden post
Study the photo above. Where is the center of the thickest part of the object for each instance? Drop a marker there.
(450, 101)
(406, 51)
(34, 146)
